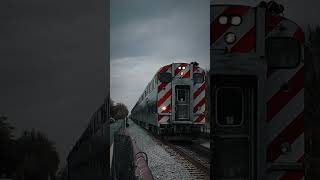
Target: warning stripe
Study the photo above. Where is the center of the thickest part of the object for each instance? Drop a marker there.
(272, 22)
(247, 42)
(199, 118)
(165, 68)
(294, 175)
(186, 75)
(217, 29)
(167, 110)
(299, 35)
(289, 135)
(163, 118)
(199, 91)
(162, 85)
(198, 106)
(164, 98)
(281, 98)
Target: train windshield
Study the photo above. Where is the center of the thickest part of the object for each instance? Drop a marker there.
(198, 78)
(165, 77)
(282, 52)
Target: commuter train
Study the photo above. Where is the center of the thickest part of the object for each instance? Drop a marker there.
(257, 93)
(89, 157)
(173, 103)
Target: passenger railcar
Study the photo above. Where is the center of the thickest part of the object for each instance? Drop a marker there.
(89, 157)
(257, 89)
(173, 101)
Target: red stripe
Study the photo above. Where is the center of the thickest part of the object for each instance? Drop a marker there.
(165, 68)
(246, 43)
(299, 35)
(164, 98)
(168, 109)
(199, 118)
(177, 70)
(161, 86)
(272, 22)
(195, 68)
(201, 103)
(289, 135)
(294, 175)
(281, 98)
(199, 91)
(186, 75)
(217, 29)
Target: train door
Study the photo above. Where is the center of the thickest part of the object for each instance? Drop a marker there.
(234, 101)
(182, 103)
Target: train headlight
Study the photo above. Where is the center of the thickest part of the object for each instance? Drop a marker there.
(181, 73)
(164, 108)
(179, 67)
(236, 20)
(183, 67)
(230, 38)
(223, 20)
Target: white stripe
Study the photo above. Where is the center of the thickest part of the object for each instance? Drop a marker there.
(285, 116)
(277, 79)
(297, 150)
(165, 103)
(164, 119)
(164, 91)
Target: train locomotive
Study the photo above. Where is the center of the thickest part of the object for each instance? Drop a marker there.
(173, 103)
(257, 91)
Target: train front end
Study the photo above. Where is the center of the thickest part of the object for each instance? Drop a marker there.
(181, 99)
(256, 88)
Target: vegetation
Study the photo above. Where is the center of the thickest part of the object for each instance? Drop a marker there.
(118, 111)
(32, 156)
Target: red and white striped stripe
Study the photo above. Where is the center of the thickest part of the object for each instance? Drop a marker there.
(164, 97)
(285, 120)
(199, 99)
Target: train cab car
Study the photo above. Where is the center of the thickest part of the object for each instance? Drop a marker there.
(257, 93)
(174, 100)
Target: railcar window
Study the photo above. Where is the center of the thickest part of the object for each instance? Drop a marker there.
(229, 106)
(283, 52)
(165, 77)
(181, 95)
(198, 77)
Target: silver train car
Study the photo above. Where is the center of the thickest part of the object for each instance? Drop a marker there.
(174, 100)
(89, 157)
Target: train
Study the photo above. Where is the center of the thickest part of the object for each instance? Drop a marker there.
(89, 157)
(173, 103)
(256, 93)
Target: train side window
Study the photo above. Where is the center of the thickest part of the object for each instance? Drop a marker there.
(165, 77)
(283, 53)
(198, 77)
(229, 106)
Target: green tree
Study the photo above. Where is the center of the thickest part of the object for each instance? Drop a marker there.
(120, 111)
(38, 156)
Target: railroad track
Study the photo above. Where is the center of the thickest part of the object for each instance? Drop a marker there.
(197, 165)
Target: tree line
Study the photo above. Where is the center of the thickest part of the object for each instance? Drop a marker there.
(118, 110)
(31, 156)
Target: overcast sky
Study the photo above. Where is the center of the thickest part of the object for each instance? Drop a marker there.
(147, 34)
(52, 70)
